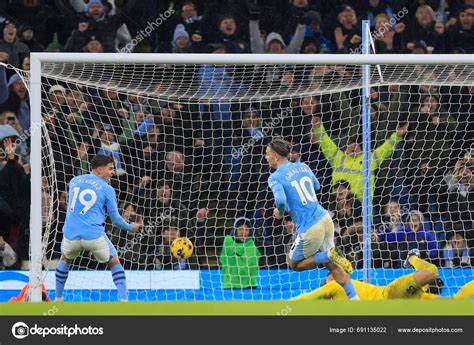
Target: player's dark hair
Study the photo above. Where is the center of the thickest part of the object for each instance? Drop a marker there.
(99, 161)
(281, 146)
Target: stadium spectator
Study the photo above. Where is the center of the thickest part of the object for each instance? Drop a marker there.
(417, 237)
(390, 236)
(163, 205)
(181, 40)
(374, 8)
(249, 148)
(26, 36)
(387, 40)
(96, 23)
(136, 102)
(229, 35)
(345, 208)
(134, 248)
(277, 237)
(347, 165)
(163, 259)
(57, 98)
(178, 173)
(347, 34)
(461, 34)
(93, 45)
(14, 97)
(104, 106)
(426, 28)
(431, 133)
(352, 244)
(456, 198)
(9, 118)
(7, 255)
(77, 114)
(14, 194)
(456, 253)
(64, 148)
(25, 63)
(240, 257)
(10, 46)
(190, 19)
(214, 83)
(273, 43)
(314, 33)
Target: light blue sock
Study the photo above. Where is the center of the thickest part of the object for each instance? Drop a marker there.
(118, 275)
(321, 258)
(350, 290)
(62, 271)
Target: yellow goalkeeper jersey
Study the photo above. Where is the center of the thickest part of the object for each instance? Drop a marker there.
(466, 292)
(333, 290)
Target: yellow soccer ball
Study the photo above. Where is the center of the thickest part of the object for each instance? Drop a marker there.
(182, 248)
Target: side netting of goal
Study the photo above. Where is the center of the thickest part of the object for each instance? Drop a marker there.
(189, 148)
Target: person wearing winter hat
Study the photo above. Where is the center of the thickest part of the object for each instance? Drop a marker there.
(10, 46)
(181, 42)
(26, 35)
(95, 10)
(240, 257)
(14, 96)
(97, 23)
(54, 46)
(93, 46)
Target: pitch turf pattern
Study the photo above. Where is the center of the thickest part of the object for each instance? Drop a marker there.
(283, 308)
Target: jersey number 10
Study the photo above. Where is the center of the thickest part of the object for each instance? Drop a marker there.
(305, 189)
(82, 199)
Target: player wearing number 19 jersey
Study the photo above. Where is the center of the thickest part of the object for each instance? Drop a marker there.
(293, 186)
(90, 199)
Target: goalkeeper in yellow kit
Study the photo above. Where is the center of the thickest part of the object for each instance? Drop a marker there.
(413, 285)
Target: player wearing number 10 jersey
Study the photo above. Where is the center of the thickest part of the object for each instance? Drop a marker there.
(90, 199)
(293, 186)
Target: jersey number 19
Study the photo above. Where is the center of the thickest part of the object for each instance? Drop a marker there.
(82, 199)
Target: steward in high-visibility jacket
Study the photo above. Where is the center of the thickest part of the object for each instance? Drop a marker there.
(347, 165)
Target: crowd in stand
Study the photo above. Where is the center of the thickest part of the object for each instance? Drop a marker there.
(187, 168)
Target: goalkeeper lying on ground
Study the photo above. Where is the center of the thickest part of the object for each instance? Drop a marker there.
(414, 285)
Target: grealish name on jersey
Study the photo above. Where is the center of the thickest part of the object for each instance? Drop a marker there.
(295, 171)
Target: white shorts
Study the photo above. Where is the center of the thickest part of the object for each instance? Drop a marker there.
(102, 249)
(319, 237)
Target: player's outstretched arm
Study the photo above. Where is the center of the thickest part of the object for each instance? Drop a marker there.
(119, 222)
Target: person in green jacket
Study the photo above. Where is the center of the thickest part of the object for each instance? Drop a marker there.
(347, 165)
(240, 257)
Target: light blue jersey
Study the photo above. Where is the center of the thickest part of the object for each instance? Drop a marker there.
(293, 186)
(90, 198)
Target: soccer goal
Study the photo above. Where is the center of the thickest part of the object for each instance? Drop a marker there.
(188, 135)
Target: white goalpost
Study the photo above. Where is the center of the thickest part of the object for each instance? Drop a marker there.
(187, 132)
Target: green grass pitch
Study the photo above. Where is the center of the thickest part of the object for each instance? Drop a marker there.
(334, 308)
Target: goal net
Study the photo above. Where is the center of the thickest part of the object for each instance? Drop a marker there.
(189, 143)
